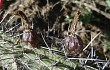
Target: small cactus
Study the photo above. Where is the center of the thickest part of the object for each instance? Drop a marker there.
(73, 43)
(29, 34)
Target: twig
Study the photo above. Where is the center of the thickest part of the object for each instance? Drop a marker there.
(91, 42)
(4, 17)
(108, 62)
(1, 11)
(87, 59)
(92, 50)
(91, 67)
(12, 28)
(51, 49)
(10, 19)
(45, 41)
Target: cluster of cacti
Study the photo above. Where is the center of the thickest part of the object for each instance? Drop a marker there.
(31, 36)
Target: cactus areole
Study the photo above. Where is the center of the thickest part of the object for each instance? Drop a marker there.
(0, 4)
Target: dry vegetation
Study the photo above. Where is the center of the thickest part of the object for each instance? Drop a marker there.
(44, 25)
